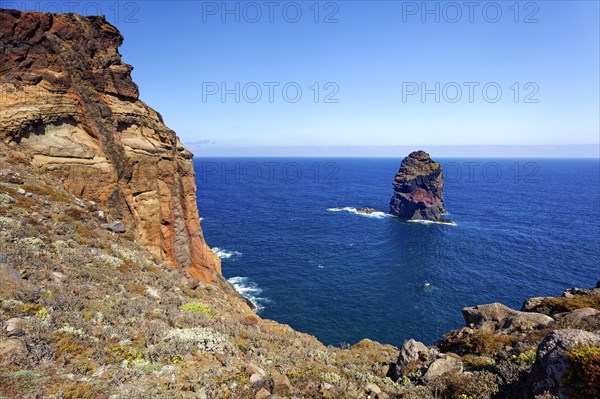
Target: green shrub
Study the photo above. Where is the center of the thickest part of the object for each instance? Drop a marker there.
(584, 374)
(196, 307)
(527, 358)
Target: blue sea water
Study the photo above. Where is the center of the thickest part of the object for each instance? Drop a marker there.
(524, 228)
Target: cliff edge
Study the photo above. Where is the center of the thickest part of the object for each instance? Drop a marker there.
(419, 189)
(68, 103)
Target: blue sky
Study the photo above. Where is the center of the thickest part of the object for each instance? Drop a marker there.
(370, 62)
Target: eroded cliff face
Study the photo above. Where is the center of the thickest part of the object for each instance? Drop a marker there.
(68, 101)
(419, 189)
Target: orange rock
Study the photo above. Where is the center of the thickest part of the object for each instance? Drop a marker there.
(68, 102)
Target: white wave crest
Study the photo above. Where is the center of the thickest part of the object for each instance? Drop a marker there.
(361, 211)
(249, 290)
(449, 223)
(225, 254)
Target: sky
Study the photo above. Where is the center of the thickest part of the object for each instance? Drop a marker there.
(365, 78)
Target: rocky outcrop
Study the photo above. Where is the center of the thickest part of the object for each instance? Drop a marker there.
(68, 103)
(498, 317)
(549, 373)
(419, 189)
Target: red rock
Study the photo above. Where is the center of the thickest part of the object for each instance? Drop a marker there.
(69, 103)
(419, 189)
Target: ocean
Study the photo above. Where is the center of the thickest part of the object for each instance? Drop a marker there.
(523, 228)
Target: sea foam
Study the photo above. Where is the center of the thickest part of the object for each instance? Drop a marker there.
(374, 215)
(249, 290)
(432, 222)
(225, 254)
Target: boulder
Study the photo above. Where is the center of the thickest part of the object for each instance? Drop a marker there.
(117, 227)
(372, 389)
(535, 304)
(496, 316)
(281, 384)
(411, 352)
(552, 364)
(14, 327)
(442, 366)
(262, 394)
(576, 315)
(11, 350)
(251, 369)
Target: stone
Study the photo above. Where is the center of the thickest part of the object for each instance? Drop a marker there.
(262, 394)
(71, 106)
(442, 366)
(410, 352)
(384, 371)
(577, 315)
(14, 178)
(256, 378)
(526, 321)
(117, 227)
(325, 386)
(552, 364)
(281, 384)
(250, 369)
(14, 327)
(20, 191)
(419, 189)
(11, 350)
(2, 258)
(498, 317)
(372, 389)
(534, 304)
(58, 276)
(99, 215)
(13, 279)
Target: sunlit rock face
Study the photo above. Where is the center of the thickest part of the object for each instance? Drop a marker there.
(419, 189)
(69, 103)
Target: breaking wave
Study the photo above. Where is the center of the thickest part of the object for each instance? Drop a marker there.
(358, 211)
(249, 290)
(225, 254)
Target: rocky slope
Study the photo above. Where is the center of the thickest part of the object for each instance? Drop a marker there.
(418, 189)
(68, 103)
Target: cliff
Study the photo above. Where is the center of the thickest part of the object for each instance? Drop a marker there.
(69, 104)
(418, 189)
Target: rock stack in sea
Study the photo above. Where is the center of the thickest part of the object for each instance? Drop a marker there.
(419, 189)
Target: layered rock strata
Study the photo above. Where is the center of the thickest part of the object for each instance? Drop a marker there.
(68, 103)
